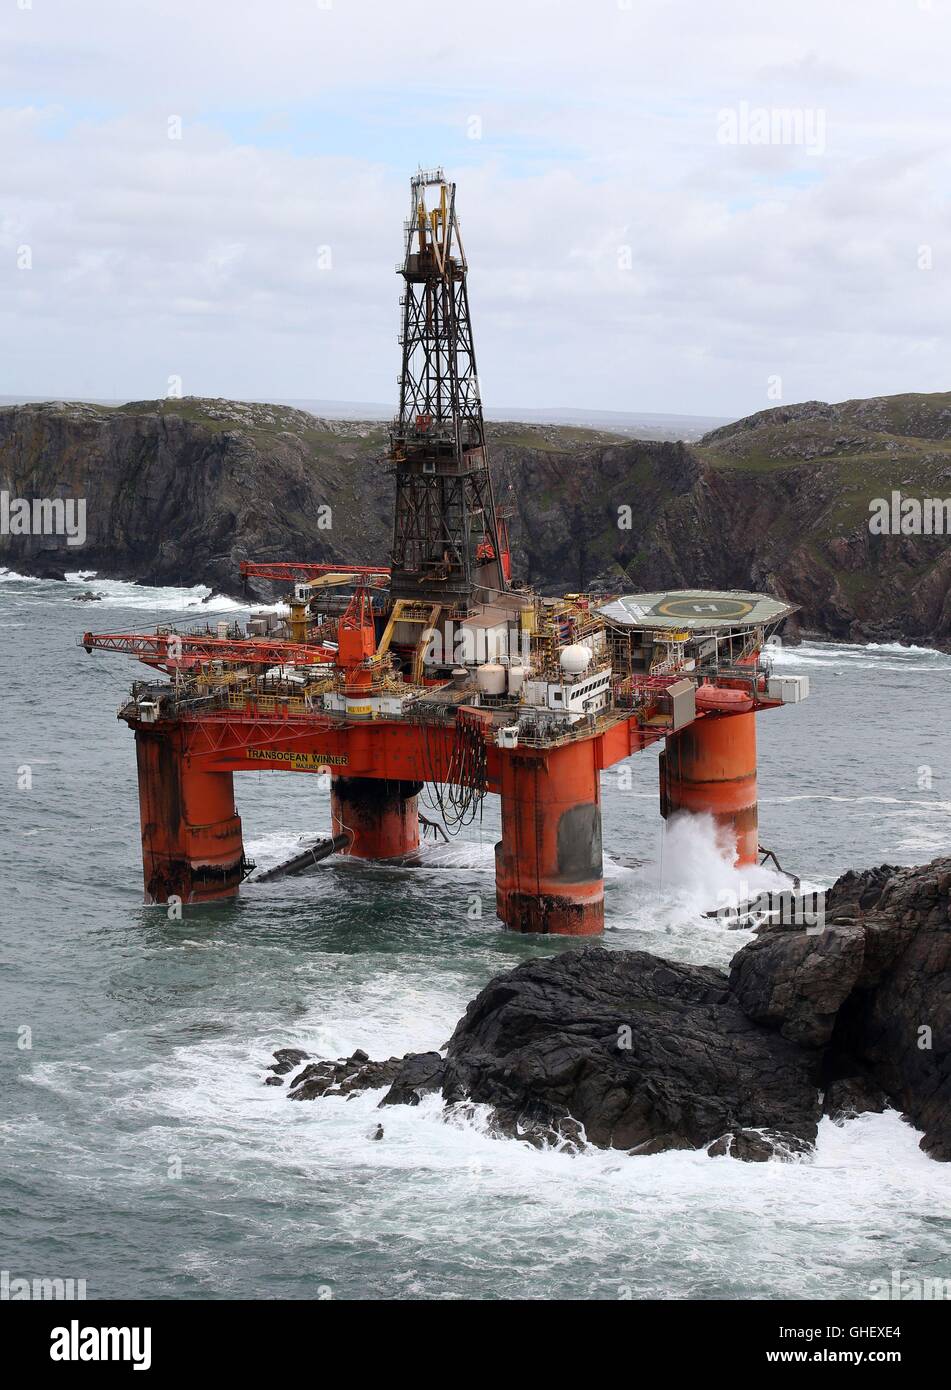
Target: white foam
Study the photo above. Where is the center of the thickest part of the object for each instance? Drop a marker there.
(122, 593)
(677, 1224)
(847, 657)
(696, 864)
(198, 600)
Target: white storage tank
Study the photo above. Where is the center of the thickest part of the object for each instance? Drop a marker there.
(575, 660)
(490, 678)
(516, 680)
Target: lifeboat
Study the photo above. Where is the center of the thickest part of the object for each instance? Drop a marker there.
(713, 699)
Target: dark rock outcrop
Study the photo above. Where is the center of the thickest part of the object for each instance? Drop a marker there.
(646, 1054)
(408, 1077)
(417, 1074)
(897, 1021)
(796, 982)
(853, 1095)
(287, 1058)
(625, 1050)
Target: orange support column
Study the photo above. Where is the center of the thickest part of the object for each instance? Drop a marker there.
(711, 767)
(548, 870)
(191, 833)
(379, 816)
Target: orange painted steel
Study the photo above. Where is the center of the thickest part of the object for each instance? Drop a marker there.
(710, 766)
(382, 749)
(548, 869)
(717, 699)
(191, 834)
(548, 862)
(379, 817)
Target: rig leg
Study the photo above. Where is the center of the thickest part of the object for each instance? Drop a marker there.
(191, 833)
(379, 817)
(711, 766)
(548, 870)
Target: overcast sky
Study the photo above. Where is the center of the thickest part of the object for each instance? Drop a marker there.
(646, 229)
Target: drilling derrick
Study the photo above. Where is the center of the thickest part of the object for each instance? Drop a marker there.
(446, 533)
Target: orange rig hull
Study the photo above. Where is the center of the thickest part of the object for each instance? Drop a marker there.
(548, 862)
(710, 766)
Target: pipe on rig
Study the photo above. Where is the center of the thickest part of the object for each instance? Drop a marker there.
(548, 867)
(710, 766)
(379, 818)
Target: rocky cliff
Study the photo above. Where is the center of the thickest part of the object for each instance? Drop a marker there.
(179, 492)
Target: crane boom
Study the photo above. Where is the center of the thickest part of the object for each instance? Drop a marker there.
(173, 651)
(286, 571)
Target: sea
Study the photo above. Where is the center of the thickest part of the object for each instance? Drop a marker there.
(140, 1150)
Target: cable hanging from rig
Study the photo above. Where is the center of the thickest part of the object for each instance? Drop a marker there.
(460, 799)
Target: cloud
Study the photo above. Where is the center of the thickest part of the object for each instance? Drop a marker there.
(622, 256)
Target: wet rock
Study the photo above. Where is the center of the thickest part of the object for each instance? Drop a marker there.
(543, 1126)
(796, 982)
(856, 892)
(408, 1078)
(274, 1081)
(644, 1053)
(343, 1077)
(419, 1073)
(897, 1022)
(853, 1095)
(286, 1059)
(756, 1146)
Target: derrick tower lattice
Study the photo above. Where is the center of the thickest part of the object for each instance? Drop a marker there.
(446, 532)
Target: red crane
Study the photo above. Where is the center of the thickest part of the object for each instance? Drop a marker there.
(286, 571)
(174, 651)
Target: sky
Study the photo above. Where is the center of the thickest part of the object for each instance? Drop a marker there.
(688, 206)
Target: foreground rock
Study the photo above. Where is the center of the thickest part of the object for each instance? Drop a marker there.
(644, 1053)
(629, 1051)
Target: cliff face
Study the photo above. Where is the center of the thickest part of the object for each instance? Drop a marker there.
(809, 473)
(179, 492)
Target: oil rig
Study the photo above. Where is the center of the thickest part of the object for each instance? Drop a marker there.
(436, 668)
